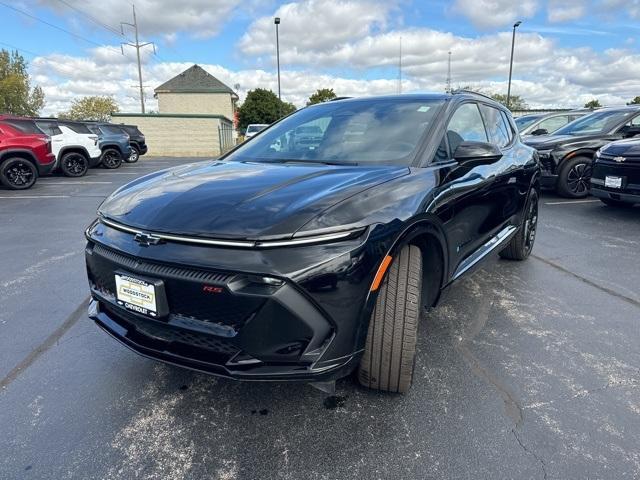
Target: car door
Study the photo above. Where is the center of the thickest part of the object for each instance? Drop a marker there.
(469, 206)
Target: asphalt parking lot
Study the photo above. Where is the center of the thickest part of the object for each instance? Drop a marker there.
(525, 370)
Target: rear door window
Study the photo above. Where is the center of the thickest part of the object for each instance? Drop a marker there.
(498, 131)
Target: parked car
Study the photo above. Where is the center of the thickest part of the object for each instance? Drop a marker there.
(25, 153)
(76, 150)
(616, 173)
(137, 142)
(548, 123)
(113, 142)
(254, 128)
(567, 155)
(274, 265)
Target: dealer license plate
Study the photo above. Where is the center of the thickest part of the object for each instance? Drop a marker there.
(613, 182)
(136, 295)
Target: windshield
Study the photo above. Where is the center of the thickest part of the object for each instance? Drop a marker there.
(524, 122)
(595, 123)
(377, 131)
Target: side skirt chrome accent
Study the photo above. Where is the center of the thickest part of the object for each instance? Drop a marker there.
(501, 238)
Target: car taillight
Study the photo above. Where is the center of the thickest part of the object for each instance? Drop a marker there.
(94, 138)
(48, 143)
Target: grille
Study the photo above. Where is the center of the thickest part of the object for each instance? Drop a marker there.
(183, 288)
(171, 334)
(609, 160)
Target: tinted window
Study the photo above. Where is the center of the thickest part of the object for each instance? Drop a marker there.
(49, 128)
(524, 122)
(131, 129)
(24, 126)
(496, 127)
(372, 132)
(465, 125)
(596, 123)
(507, 122)
(552, 124)
(77, 127)
(111, 130)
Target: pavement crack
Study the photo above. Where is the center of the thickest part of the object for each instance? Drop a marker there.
(551, 263)
(48, 342)
(538, 458)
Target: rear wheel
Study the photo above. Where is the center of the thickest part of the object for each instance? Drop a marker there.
(74, 164)
(17, 173)
(389, 355)
(521, 244)
(111, 158)
(575, 177)
(135, 155)
(610, 202)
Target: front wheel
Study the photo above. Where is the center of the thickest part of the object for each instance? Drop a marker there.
(135, 155)
(390, 349)
(521, 244)
(74, 164)
(575, 177)
(111, 158)
(18, 173)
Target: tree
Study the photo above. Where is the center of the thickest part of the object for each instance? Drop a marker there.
(595, 103)
(516, 102)
(262, 106)
(16, 95)
(91, 108)
(322, 95)
(635, 101)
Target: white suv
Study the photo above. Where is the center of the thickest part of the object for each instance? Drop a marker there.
(75, 147)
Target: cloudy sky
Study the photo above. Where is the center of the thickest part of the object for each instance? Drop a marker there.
(567, 52)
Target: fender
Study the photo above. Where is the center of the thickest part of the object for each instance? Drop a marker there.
(114, 146)
(22, 152)
(74, 148)
(584, 152)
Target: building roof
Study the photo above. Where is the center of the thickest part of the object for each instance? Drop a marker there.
(194, 80)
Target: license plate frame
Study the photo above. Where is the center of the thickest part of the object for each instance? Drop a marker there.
(611, 181)
(142, 295)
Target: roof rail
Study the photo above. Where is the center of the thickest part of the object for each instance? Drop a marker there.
(339, 98)
(462, 90)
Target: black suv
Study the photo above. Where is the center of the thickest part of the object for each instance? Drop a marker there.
(293, 261)
(616, 173)
(136, 141)
(566, 156)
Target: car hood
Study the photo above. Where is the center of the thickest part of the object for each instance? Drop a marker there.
(546, 142)
(239, 199)
(629, 147)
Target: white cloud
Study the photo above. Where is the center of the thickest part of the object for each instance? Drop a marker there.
(200, 18)
(566, 10)
(495, 13)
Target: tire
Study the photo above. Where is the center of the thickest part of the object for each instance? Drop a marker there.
(17, 173)
(610, 202)
(390, 349)
(574, 178)
(520, 246)
(111, 158)
(135, 155)
(74, 164)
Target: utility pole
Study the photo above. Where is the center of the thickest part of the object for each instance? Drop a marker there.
(137, 46)
(400, 68)
(448, 87)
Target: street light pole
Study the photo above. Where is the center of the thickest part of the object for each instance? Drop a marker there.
(513, 42)
(276, 21)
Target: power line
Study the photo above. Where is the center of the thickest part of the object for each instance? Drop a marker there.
(93, 19)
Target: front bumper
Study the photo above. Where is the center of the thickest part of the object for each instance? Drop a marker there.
(310, 328)
(630, 177)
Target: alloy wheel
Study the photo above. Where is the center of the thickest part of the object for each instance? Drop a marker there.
(110, 159)
(133, 158)
(578, 178)
(19, 174)
(531, 226)
(75, 164)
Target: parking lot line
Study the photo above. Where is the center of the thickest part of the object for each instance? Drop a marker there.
(35, 196)
(568, 202)
(73, 183)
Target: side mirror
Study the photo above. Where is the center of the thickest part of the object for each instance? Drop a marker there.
(540, 131)
(480, 152)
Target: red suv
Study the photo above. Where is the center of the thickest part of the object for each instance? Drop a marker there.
(25, 153)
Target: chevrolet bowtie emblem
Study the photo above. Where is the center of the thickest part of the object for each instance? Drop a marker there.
(619, 159)
(146, 239)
